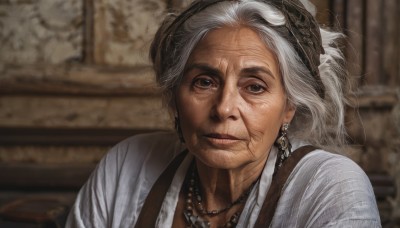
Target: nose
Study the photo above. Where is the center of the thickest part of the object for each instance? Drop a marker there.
(226, 104)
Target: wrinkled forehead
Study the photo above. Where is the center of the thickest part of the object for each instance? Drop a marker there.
(240, 46)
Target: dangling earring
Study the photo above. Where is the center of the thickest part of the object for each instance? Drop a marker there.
(178, 129)
(283, 144)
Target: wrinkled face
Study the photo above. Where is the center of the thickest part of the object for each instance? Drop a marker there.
(231, 101)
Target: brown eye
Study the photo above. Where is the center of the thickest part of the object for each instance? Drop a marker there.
(204, 83)
(255, 88)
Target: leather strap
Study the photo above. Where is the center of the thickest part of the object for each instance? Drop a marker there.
(278, 181)
(152, 205)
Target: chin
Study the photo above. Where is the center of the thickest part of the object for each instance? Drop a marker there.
(220, 159)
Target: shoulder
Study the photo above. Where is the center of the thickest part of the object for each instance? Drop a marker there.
(108, 195)
(148, 141)
(326, 169)
(136, 158)
(322, 171)
(329, 165)
(142, 147)
(331, 189)
(140, 158)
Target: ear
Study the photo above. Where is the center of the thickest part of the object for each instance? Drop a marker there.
(289, 112)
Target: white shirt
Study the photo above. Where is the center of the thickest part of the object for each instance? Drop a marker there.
(324, 189)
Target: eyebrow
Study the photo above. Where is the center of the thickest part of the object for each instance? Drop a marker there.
(204, 67)
(214, 71)
(257, 70)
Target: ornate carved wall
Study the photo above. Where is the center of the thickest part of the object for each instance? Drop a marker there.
(76, 64)
(45, 31)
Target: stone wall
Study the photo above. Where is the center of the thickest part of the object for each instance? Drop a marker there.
(75, 78)
(45, 31)
(77, 64)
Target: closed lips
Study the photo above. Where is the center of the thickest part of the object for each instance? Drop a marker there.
(221, 136)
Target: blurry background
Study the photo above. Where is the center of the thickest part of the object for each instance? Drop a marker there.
(75, 79)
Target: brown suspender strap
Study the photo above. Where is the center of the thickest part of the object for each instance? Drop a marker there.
(275, 190)
(152, 205)
(155, 198)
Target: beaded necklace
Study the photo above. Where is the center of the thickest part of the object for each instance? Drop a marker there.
(194, 202)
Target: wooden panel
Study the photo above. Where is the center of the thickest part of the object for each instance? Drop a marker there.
(88, 42)
(370, 124)
(354, 49)
(44, 153)
(65, 136)
(383, 185)
(375, 97)
(373, 46)
(391, 41)
(77, 80)
(396, 77)
(323, 12)
(339, 12)
(83, 112)
(44, 176)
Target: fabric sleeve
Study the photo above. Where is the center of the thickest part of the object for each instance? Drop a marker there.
(115, 192)
(327, 190)
(340, 194)
(92, 205)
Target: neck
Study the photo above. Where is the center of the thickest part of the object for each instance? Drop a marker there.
(220, 187)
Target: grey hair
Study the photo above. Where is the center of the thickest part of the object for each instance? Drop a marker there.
(319, 121)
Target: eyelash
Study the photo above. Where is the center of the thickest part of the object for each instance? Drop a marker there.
(197, 83)
(259, 87)
(205, 83)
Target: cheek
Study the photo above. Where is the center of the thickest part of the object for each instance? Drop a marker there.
(192, 112)
(189, 118)
(264, 121)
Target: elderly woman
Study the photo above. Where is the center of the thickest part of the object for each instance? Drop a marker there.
(257, 92)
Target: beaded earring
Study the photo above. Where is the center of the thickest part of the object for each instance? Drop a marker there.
(283, 144)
